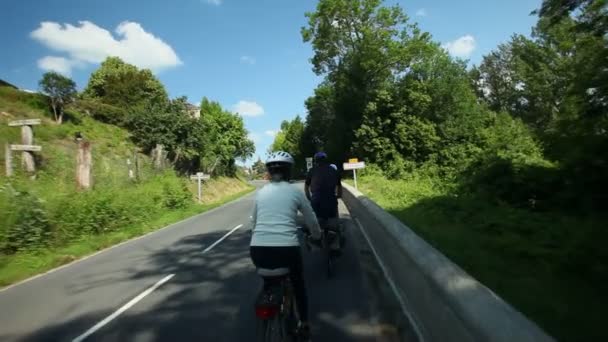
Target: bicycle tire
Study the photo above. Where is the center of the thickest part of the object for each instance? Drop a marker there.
(261, 330)
(275, 331)
(329, 264)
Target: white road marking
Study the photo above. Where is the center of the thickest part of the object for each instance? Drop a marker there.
(143, 294)
(389, 279)
(122, 309)
(222, 238)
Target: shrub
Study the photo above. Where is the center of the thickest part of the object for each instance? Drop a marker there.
(531, 183)
(175, 193)
(29, 227)
(93, 212)
(102, 112)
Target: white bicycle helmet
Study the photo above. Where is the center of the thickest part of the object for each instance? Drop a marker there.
(280, 157)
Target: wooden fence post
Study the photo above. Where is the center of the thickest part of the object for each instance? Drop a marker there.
(158, 157)
(27, 140)
(83, 165)
(8, 160)
(130, 167)
(136, 159)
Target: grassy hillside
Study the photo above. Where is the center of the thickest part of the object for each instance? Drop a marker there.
(46, 222)
(548, 264)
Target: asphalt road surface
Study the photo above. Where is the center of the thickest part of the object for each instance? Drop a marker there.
(193, 281)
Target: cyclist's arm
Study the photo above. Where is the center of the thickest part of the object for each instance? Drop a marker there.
(309, 217)
(254, 215)
(307, 184)
(338, 185)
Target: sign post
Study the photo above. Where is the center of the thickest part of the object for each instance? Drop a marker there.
(354, 164)
(200, 176)
(308, 164)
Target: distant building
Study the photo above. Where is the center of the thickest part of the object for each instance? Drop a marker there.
(3, 83)
(194, 111)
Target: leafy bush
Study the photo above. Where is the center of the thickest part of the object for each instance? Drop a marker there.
(28, 227)
(519, 182)
(176, 194)
(92, 212)
(102, 112)
(111, 208)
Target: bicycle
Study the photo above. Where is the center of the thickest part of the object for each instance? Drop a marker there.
(329, 235)
(276, 308)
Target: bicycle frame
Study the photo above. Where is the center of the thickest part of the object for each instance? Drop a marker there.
(276, 311)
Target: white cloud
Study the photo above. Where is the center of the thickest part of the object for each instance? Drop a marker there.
(57, 64)
(89, 43)
(254, 137)
(214, 2)
(247, 60)
(461, 47)
(421, 12)
(271, 133)
(248, 108)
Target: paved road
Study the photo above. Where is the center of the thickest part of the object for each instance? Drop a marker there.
(185, 283)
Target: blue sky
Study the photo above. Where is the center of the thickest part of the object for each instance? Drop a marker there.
(246, 54)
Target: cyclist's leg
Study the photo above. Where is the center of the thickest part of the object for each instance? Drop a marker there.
(296, 274)
(291, 257)
(267, 257)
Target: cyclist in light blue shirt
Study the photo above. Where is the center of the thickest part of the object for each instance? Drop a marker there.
(274, 243)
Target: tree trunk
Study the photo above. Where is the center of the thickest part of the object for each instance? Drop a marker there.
(214, 165)
(177, 155)
(60, 117)
(54, 106)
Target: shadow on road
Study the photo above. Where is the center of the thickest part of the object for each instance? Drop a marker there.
(210, 298)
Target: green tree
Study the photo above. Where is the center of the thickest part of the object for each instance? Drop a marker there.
(225, 136)
(358, 45)
(123, 85)
(61, 91)
(289, 139)
(259, 168)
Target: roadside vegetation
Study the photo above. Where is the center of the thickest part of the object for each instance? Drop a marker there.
(46, 220)
(501, 166)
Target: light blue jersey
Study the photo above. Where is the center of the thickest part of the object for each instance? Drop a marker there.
(274, 215)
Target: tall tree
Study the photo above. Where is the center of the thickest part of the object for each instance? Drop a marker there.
(259, 168)
(61, 91)
(225, 136)
(124, 85)
(289, 139)
(358, 45)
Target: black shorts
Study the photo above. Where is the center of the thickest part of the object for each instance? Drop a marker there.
(325, 207)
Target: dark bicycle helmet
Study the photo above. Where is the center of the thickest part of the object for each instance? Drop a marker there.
(320, 155)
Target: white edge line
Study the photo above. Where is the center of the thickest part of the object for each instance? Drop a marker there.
(389, 279)
(122, 309)
(119, 244)
(222, 238)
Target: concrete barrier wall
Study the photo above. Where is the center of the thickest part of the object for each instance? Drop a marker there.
(443, 302)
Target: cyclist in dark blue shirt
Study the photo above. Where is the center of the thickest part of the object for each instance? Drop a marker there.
(323, 188)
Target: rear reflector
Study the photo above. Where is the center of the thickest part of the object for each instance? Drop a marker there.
(266, 312)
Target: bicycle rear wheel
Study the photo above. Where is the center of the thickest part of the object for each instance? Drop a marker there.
(271, 330)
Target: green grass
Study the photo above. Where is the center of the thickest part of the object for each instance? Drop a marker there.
(546, 264)
(14, 268)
